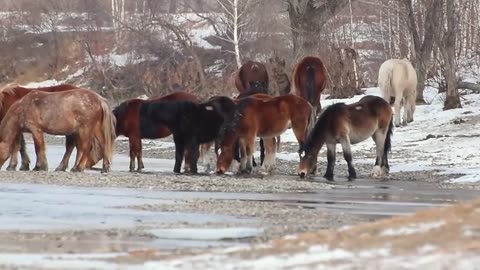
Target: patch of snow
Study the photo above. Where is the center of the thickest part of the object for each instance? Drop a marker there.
(413, 229)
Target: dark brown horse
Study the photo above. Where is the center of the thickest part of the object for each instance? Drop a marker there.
(265, 117)
(371, 117)
(80, 113)
(132, 126)
(10, 94)
(309, 80)
(251, 74)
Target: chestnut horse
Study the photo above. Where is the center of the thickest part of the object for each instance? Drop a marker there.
(10, 94)
(266, 119)
(135, 128)
(397, 79)
(309, 80)
(251, 74)
(371, 117)
(81, 113)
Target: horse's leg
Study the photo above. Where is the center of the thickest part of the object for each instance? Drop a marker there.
(205, 155)
(133, 143)
(243, 155)
(410, 105)
(12, 165)
(249, 148)
(179, 152)
(397, 106)
(379, 138)
(270, 149)
(278, 143)
(347, 154)
(331, 151)
(85, 143)
(23, 153)
(69, 145)
(262, 153)
(105, 155)
(41, 164)
(78, 156)
(193, 151)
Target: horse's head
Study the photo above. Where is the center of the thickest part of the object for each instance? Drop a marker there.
(225, 158)
(308, 163)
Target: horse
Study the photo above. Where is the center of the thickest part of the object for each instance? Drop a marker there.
(132, 125)
(80, 113)
(266, 119)
(309, 80)
(371, 116)
(250, 72)
(10, 94)
(397, 80)
(191, 124)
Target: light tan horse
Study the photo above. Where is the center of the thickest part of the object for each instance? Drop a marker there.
(397, 79)
(81, 113)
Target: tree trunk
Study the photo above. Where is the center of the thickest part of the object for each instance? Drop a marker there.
(422, 50)
(307, 18)
(235, 34)
(452, 100)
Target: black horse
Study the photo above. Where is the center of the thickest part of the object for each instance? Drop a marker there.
(191, 124)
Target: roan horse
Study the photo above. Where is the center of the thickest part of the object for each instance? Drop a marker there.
(131, 125)
(191, 124)
(309, 80)
(251, 72)
(263, 118)
(81, 113)
(10, 94)
(371, 116)
(397, 79)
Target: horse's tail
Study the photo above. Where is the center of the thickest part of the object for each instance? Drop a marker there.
(388, 139)
(310, 85)
(385, 75)
(108, 130)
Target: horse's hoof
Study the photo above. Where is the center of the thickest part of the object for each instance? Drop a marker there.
(25, 167)
(132, 169)
(60, 169)
(11, 168)
(40, 168)
(105, 170)
(329, 177)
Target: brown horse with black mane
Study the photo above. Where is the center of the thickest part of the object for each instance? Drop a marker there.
(309, 80)
(131, 125)
(251, 75)
(265, 117)
(10, 94)
(80, 113)
(371, 117)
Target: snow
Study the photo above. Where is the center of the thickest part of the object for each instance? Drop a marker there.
(412, 229)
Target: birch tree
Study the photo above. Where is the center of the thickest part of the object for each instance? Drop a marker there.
(118, 17)
(234, 22)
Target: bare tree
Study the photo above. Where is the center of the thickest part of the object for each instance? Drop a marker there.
(447, 49)
(423, 46)
(307, 18)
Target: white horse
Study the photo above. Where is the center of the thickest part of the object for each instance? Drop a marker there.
(398, 79)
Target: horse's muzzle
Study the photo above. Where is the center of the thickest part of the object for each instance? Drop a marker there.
(302, 174)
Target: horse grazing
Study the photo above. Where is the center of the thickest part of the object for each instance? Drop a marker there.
(191, 124)
(251, 72)
(81, 113)
(397, 79)
(309, 80)
(10, 94)
(131, 124)
(265, 117)
(371, 116)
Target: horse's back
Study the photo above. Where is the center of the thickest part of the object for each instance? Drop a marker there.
(396, 75)
(180, 95)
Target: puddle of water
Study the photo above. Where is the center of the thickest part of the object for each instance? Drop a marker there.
(35, 207)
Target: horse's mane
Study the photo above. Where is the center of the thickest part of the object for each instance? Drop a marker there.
(9, 89)
(232, 121)
(121, 109)
(321, 125)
